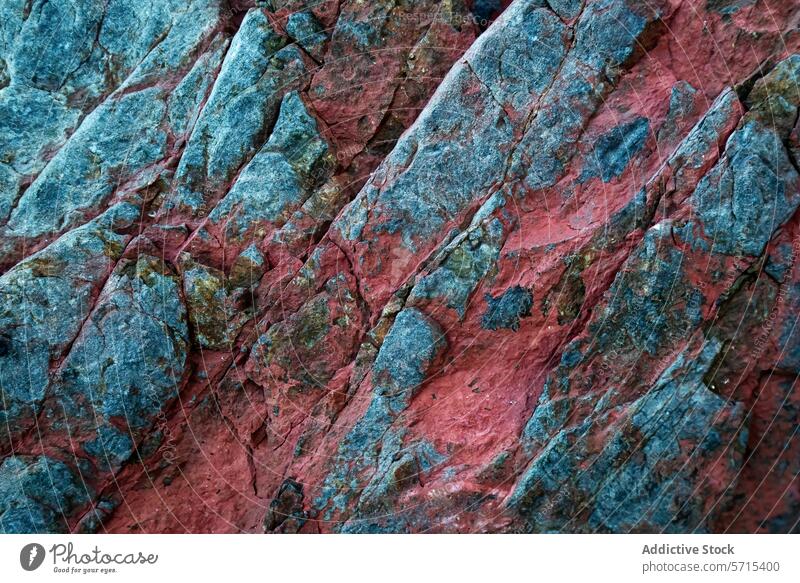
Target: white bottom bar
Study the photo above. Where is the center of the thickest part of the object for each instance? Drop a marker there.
(446, 558)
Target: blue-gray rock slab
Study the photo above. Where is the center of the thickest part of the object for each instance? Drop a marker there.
(405, 357)
(606, 36)
(279, 177)
(55, 38)
(640, 481)
(307, 31)
(398, 467)
(258, 70)
(85, 49)
(191, 27)
(566, 9)
(683, 105)
(413, 343)
(520, 67)
(32, 123)
(37, 495)
(458, 140)
(127, 364)
(116, 142)
(656, 490)
(650, 305)
(64, 58)
(43, 303)
(186, 100)
(705, 136)
(122, 146)
(751, 192)
(755, 187)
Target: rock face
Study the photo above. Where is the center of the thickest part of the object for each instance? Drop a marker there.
(393, 266)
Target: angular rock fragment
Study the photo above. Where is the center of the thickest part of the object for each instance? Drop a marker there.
(37, 494)
(45, 301)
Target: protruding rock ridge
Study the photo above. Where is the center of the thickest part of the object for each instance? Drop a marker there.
(379, 267)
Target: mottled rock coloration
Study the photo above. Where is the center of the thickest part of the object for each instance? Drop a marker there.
(419, 266)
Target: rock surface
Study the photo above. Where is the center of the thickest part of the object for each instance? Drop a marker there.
(420, 266)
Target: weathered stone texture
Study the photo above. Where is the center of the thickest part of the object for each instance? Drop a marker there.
(390, 266)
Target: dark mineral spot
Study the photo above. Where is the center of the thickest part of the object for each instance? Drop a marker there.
(506, 310)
